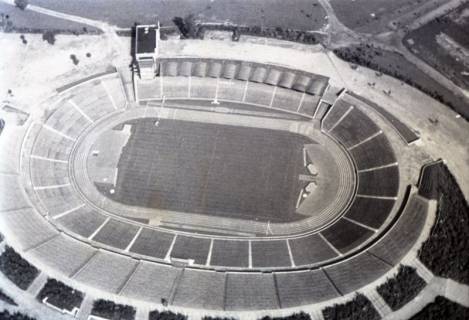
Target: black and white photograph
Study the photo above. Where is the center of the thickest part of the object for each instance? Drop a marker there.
(234, 159)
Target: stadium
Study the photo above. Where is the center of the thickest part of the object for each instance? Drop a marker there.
(218, 183)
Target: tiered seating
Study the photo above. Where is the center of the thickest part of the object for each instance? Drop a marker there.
(398, 241)
(299, 288)
(64, 254)
(356, 272)
(200, 289)
(335, 114)
(116, 234)
(353, 128)
(28, 227)
(250, 291)
(50, 144)
(106, 271)
(59, 199)
(345, 235)
(114, 88)
(373, 153)
(152, 243)
(257, 83)
(83, 221)
(191, 248)
(44, 173)
(67, 120)
(404, 131)
(383, 182)
(12, 196)
(272, 253)
(310, 250)
(371, 212)
(429, 180)
(92, 100)
(230, 253)
(232, 90)
(151, 282)
(259, 94)
(287, 99)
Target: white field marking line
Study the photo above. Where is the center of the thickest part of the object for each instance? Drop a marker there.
(290, 254)
(245, 91)
(133, 239)
(58, 132)
(376, 197)
(73, 104)
(60, 215)
(301, 102)
(216, 90)
(109, 95)
(137, 98)
(168, 254)
(99, 228)
(54, 186)
(274, 92)
(209, 257)
(341, 118)
(366, 140)
(360, 224)
(161, 85)
(330, 245)
(249, 254)
(268, 229)
(394, 164)
(47, 159)
(299, 198)
(318, 106)
(189, 86)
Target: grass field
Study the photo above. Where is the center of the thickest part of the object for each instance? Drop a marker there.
(212, 169)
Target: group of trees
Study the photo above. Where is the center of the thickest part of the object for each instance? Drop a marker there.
(166, 315)
(446, 249)
(190, 28)
(112, 311)
(295, 316)
(60, 295)
(18, 270)
(401, 289)
(5, 298)
(360, 308)
(442, 308)
(5, 315)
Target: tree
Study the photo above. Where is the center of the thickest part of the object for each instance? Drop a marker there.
(22, 4)
(49, 36)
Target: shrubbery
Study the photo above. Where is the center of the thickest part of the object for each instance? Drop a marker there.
(60, 295)
(18, 270)
(5, 298)
(295, 316)
(113, 311)
(49, 36)
(446, 250)
(360, 308)
(442, 308)
(166, 315)
(22, 4)
(401, 289)
(5, 315)
(190, 28)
